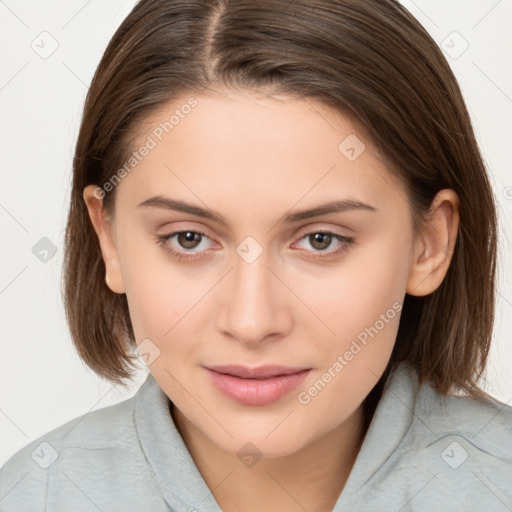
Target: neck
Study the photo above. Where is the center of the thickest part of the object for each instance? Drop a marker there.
(309, 479)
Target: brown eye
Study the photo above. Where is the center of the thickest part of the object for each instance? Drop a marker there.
(320, 241)
(188, 239)
(185, 245)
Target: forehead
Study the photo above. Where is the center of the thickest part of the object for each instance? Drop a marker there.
(254, 151)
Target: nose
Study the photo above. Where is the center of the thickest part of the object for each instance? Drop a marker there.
(254, 309)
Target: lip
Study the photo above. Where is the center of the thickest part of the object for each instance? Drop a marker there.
(256, 386)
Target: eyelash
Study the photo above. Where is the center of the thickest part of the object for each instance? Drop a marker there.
(184, 256)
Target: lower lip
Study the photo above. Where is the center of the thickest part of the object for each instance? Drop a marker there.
(256, 391)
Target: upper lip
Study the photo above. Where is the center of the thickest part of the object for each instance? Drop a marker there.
(259, 372)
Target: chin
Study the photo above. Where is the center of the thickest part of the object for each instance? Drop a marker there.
(259, 445)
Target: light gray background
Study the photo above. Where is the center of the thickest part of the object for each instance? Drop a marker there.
(43, 383)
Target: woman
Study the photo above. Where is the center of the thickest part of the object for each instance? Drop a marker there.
(284, 208)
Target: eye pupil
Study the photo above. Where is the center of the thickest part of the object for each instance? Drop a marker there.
(188, 239)
(323, 239)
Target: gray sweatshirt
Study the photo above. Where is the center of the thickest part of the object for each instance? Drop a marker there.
(422, 452)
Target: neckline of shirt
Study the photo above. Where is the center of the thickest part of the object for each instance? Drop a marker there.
(181, 482)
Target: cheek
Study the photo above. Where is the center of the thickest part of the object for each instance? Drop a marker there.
(362, 306)
(159, 295)
(354, 295)
(160, 312)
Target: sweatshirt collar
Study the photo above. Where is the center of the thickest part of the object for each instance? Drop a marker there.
(392, 419)
(182, 484)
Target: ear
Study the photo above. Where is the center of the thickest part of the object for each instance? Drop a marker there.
(434, 245)
(93, 198)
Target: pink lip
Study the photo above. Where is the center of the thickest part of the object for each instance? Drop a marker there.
(256, 386)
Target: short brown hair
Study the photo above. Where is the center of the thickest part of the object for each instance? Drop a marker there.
(369, 59)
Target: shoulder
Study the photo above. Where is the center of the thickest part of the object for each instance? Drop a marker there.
(428, 416)
(484, 423)
(460, 449)
(99, 434)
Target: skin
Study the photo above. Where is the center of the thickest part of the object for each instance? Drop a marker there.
(254, 158)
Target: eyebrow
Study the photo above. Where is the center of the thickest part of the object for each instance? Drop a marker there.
(290, 218)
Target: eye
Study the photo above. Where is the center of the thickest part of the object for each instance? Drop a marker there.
(187, 243)
(322, 240)
(186, 240)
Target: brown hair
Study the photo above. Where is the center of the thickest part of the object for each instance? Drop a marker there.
(369, 59)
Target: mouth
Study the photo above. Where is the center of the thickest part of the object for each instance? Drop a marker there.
(256, 386)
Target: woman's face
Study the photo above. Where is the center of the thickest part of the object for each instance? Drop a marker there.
(263, 286)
